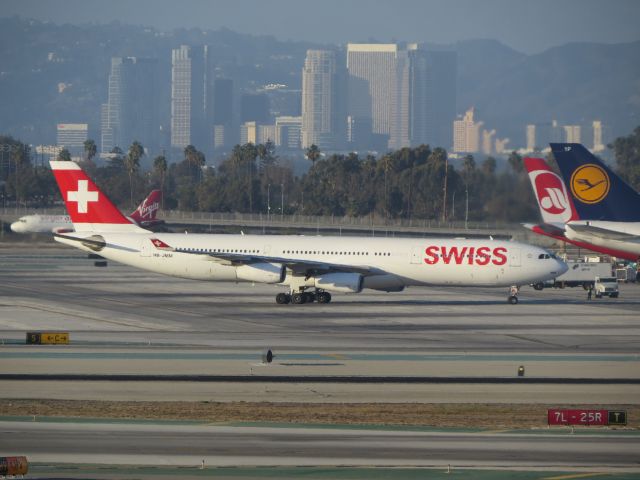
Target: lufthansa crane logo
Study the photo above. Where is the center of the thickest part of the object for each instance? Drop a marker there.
(590, 183)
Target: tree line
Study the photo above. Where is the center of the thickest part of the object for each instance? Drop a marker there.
(410, 183)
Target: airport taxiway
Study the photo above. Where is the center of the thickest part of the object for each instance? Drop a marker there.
(126, 321)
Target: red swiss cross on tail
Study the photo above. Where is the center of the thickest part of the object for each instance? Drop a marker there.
(88, 207)
(160, 245)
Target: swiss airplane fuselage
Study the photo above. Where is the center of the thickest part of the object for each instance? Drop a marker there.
(428, 261)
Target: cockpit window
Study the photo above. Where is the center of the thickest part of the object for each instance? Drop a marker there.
(546, 256)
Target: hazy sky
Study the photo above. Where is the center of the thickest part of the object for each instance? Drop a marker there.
(526, 25)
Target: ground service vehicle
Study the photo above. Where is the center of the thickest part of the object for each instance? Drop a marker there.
(606, 287)
(580, 274)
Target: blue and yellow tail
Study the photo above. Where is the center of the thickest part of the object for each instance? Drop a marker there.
(598, 193)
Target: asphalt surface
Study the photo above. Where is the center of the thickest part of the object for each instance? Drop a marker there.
(267, 446)
(124, 321)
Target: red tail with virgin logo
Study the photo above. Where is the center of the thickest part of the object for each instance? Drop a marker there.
(88, 207)
(147, 211)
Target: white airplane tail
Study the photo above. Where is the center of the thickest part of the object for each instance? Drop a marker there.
(89, 208)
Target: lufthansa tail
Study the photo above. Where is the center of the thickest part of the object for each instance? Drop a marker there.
(89, 208)
(598, 193)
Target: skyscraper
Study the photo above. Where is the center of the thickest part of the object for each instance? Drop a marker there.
(406, 94)
(191, 112)
(323, 120)
(223, 113)
(372, 73)
(466, 133)
(131, 110)
(432, 91)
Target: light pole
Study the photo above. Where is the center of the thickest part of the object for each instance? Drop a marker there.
(268, 201)
(466, 207)
(453, 206)
(282, 202)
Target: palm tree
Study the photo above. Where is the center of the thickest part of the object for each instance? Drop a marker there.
(64, 155)
(90, 149)
(313, 153)
(160, 166)
(132, 163)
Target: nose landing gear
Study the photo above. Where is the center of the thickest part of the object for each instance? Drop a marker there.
(513, 294)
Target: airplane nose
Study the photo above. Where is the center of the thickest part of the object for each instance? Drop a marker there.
(15, 227)
(562, 267)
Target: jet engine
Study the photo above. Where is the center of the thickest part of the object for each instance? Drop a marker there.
(340, 282)
(265, 272)
(384, 283)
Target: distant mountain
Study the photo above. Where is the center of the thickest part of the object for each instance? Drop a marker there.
(58, 73)
(574, 83)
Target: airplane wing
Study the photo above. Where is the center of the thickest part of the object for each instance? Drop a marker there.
(604, 233)
(299, 266)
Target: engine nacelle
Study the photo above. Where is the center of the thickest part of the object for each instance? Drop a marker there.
(340, 282)
(265, 272)
(385, 283)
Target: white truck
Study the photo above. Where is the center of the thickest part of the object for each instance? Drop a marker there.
(580, 274)
(606, 287)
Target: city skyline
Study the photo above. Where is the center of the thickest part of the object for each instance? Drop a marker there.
(516, 23)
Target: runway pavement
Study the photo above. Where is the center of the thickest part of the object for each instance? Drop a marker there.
(166, 444)
(125, 321)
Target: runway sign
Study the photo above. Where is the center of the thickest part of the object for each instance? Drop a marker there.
(47, 338)
(13, 466)
(585, 417)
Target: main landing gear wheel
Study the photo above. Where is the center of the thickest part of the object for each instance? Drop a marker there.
(298, 298)
(513, 299)
(323, 297)
(283, 298)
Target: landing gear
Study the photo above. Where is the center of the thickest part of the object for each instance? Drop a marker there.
(283, 298)
(323, 297)
(298, 298)
(513, 295)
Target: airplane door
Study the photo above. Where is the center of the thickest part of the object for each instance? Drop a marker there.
(145, 248)
(267, 249)
(514, 257)
(417, 255)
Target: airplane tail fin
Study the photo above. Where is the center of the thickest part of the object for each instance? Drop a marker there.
(554, 201)
(89, 208)
(598, 192)
(147, 211)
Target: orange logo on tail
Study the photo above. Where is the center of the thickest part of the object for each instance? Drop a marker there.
(590, 183)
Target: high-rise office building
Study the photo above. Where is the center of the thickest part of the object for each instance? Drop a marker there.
(432, 93)
(404, 93)
(531, 137)
(130, 113)
(372, 72)
(466, 133)
(288, 132)
(254, 107)
(223, 120)
(191, 88)
(72, 137)
(598, 145)
(323, 119)
(572, 133)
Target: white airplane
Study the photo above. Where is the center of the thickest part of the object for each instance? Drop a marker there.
(590, 206)
(311, 267)
(144, 215)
